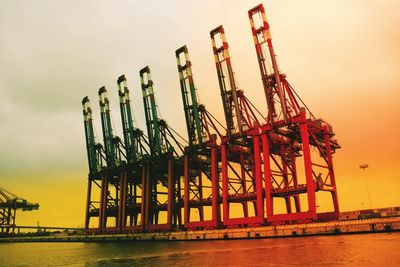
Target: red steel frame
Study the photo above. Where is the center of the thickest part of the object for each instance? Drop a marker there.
(200, 164)
(287, 135)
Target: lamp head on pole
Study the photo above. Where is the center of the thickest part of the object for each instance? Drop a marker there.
(363, 166)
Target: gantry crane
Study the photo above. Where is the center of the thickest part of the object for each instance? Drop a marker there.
(116, 168)
(164, 167)
(240, 147)
(289, 135)
(136, 150)
(9, 204)
(201, 171)
(97, 162)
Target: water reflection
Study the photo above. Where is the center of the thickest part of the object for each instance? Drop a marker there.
(354, 250)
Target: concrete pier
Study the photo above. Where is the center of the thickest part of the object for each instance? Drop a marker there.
(324, 228)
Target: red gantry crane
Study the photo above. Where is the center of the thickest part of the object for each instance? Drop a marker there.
(240, 147)
(288, 138)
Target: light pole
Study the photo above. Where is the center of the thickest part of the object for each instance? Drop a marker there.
(364, 166)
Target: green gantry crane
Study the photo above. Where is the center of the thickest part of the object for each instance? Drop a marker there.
(164, 165)
(136, 149)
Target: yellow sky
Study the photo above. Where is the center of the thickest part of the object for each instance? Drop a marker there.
(342, 57)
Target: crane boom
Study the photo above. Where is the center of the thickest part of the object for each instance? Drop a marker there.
(227, 88)
(11, 200)
(136, 144)
(107, 128)
(234, 101)
(150, 111)
(127, 121)
(276, 88)
(89, 133)
(189, 97)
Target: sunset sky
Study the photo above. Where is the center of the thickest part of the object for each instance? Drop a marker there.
(342, 57)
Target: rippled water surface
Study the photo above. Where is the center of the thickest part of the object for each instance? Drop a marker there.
(351, 250)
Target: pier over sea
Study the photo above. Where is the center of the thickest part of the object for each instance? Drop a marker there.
(375, 225)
